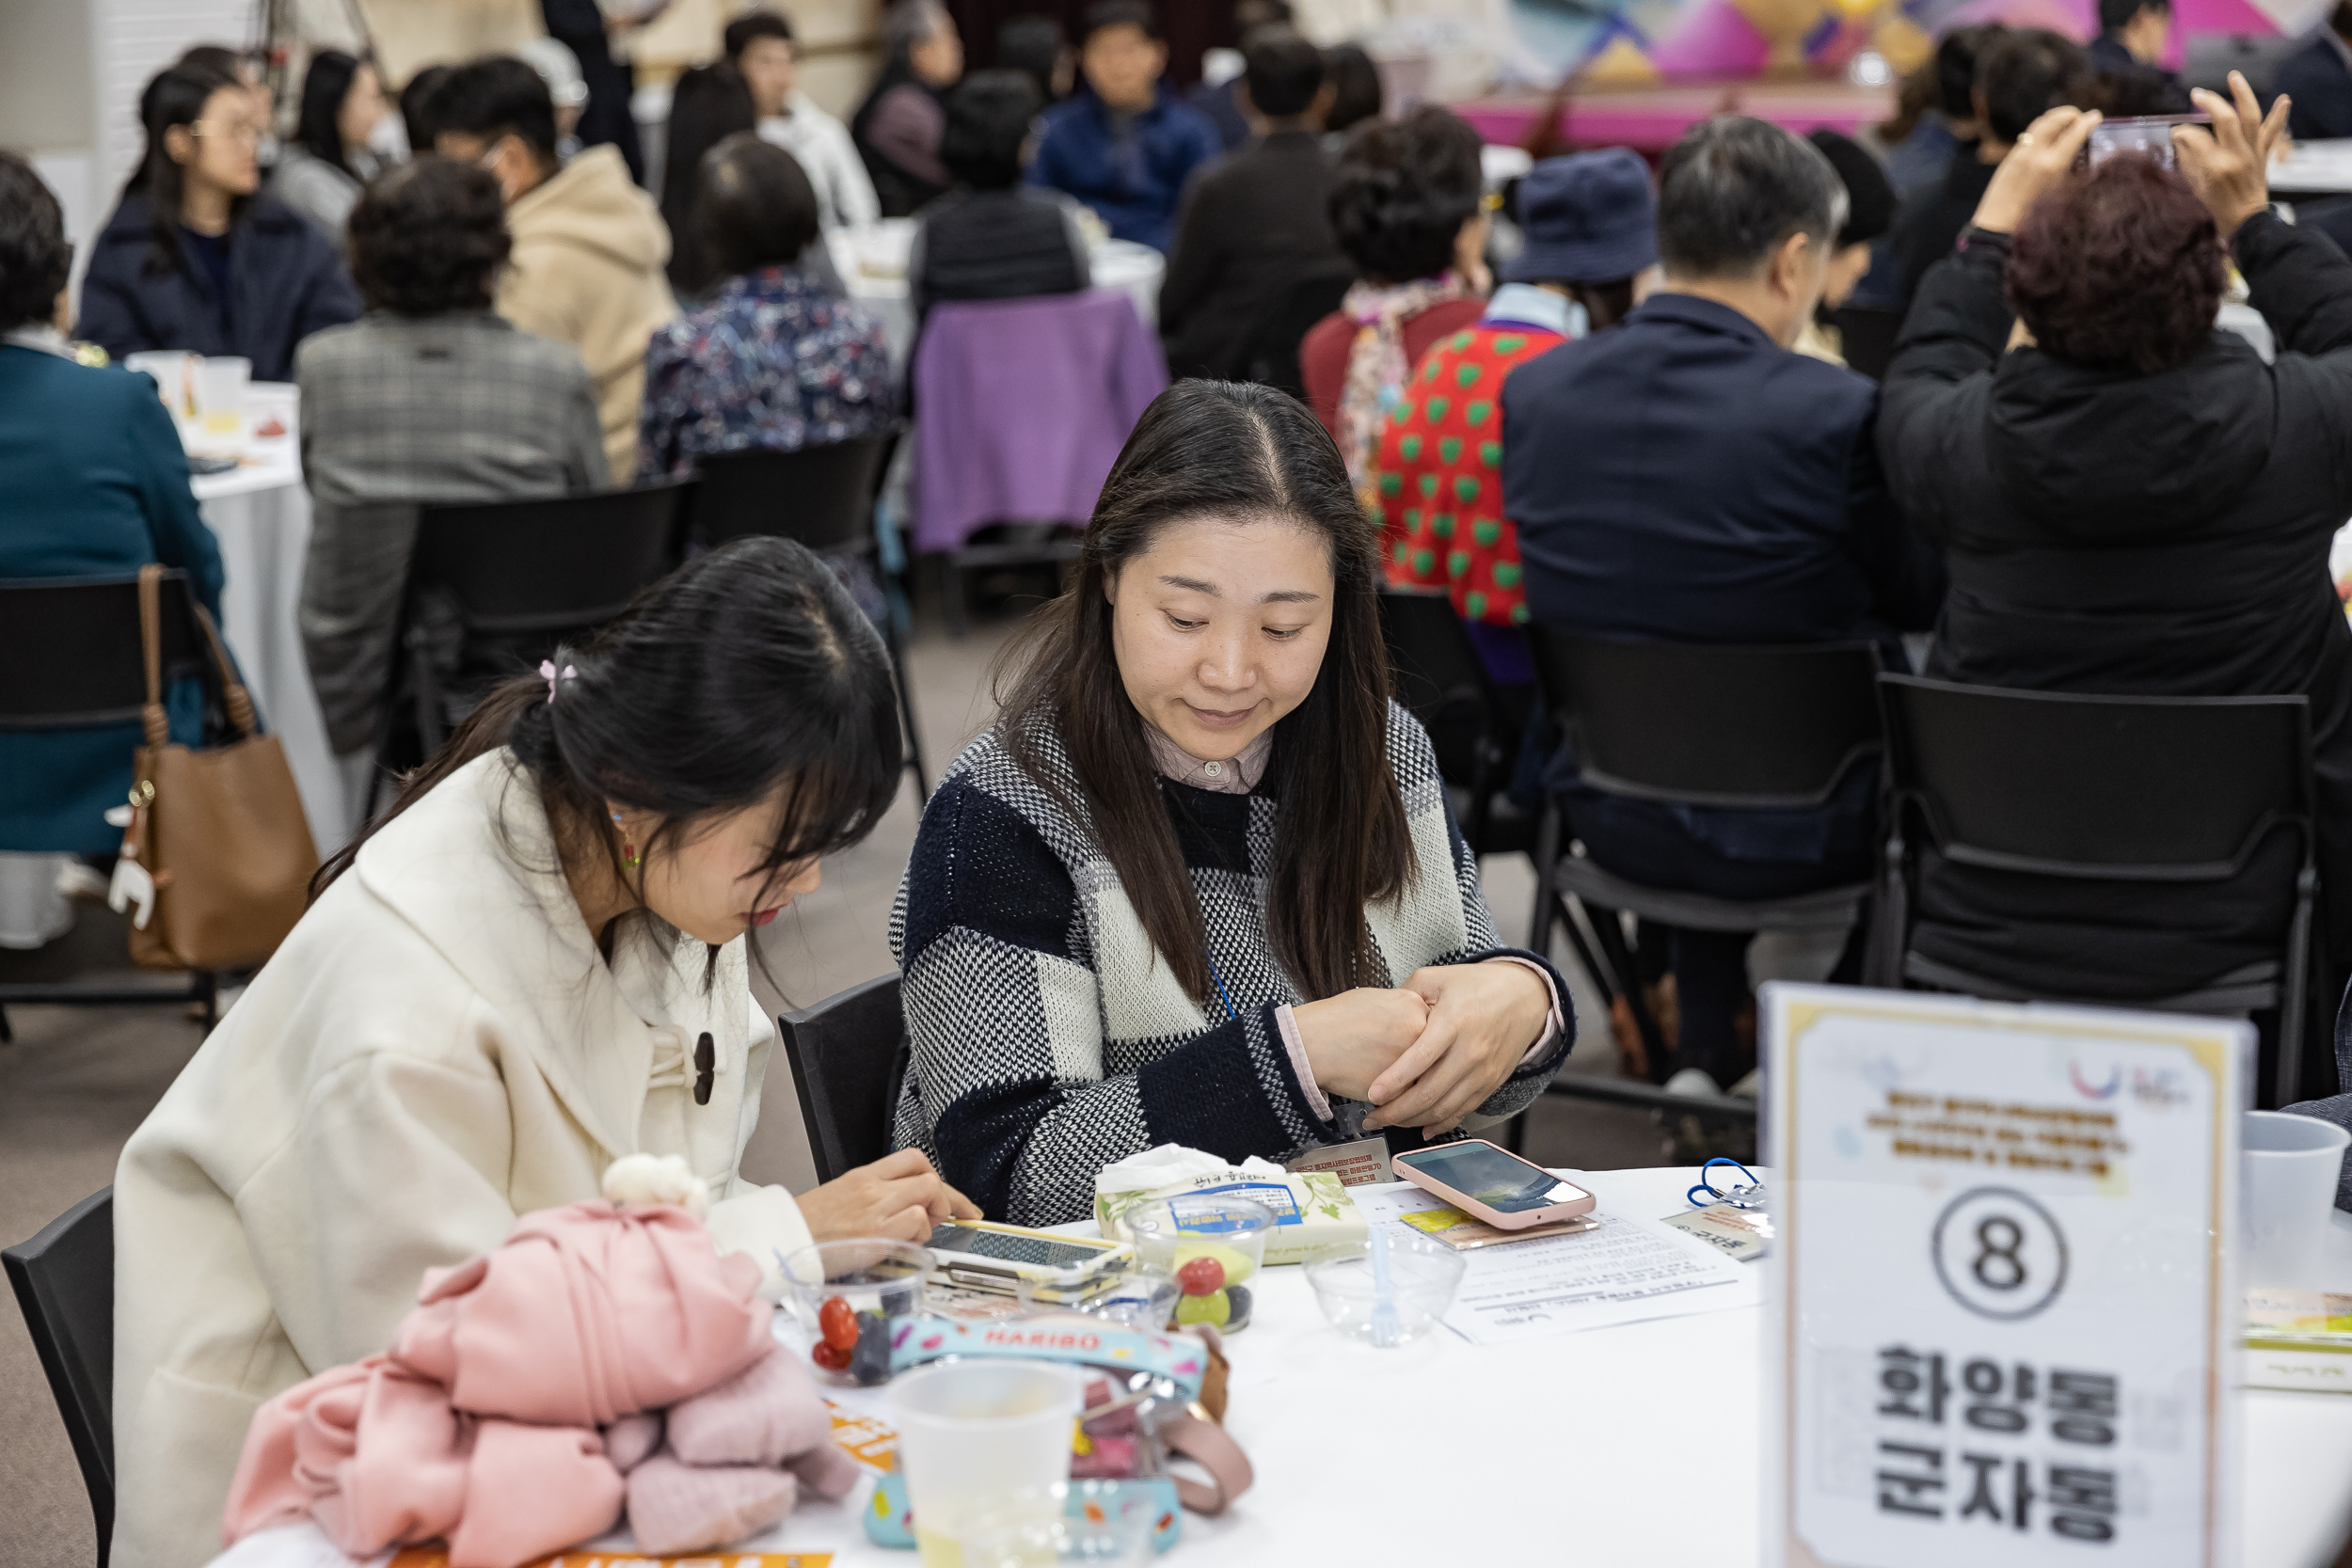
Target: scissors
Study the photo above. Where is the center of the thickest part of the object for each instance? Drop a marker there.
(1747, 1194)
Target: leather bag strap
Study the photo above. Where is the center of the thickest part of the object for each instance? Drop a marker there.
(233, 695)
(152, 715)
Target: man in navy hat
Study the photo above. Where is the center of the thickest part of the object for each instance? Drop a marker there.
(1688, 479)
(1592, 235)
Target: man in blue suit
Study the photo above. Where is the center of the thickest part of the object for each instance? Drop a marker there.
(2318, 77)
(1123, 144)
(1685, 477)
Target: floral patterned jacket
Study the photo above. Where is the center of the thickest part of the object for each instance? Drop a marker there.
(774, 361)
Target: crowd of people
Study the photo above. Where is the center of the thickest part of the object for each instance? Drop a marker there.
(1199, 881)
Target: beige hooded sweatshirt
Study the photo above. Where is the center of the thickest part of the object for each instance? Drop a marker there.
(436, 1049)
(586, 270)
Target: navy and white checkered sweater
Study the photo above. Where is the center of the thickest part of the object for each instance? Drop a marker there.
(1047, 1040)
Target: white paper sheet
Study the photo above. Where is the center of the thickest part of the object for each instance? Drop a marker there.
(1629, 1268)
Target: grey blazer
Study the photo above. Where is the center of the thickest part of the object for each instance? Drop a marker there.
(398, 411)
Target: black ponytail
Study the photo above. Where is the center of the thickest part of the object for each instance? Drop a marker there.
(747, 669)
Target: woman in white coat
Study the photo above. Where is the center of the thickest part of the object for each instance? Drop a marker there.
(534, 965)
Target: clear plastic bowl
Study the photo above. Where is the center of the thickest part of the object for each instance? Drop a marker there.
(1423, 1277)
(1211, 1245)
(880, 1281)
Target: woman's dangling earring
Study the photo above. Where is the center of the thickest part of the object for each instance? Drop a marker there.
(628, 851)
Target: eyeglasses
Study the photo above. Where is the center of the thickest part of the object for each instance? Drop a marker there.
(228, 130)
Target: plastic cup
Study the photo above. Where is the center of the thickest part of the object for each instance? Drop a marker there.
(2291, 1166)
(216, 391)
(1423, 1277)
(1174, 1234)
(880, 1281)
(984, 1443)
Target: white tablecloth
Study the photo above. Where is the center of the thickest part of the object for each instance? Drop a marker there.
(1629, 1448)
(260, 514)
(873, 262)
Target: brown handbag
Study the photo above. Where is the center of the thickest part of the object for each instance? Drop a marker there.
(220, 831)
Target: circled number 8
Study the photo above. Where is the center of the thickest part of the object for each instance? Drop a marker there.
(1999, 1253)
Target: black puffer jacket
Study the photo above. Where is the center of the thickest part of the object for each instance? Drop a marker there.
(2130, 534)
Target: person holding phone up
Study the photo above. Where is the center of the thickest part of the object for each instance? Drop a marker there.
(2131, 502)
(1199, 883)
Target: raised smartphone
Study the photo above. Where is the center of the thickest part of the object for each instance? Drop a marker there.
(2151, 134)
(1491, 1184)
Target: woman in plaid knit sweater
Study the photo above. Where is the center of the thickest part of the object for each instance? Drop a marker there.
(1200, 883)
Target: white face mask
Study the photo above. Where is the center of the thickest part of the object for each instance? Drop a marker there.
(389, 141)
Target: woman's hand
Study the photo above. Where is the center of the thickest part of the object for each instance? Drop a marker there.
(2228, 166)
(1482, 1018)
(1352, 1038)
(900, 1198)
(2045, 154)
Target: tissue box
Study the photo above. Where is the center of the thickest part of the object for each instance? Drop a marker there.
(1311, 1210)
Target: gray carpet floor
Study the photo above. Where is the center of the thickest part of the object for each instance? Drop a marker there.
(76, 1081)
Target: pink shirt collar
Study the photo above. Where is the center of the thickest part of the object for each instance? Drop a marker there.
(1238, 776)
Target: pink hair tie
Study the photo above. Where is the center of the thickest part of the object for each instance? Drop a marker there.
(547, 673)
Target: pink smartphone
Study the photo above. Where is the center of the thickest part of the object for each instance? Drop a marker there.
(1491, 1184)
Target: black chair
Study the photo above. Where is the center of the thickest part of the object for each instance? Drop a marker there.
(71, 654)
(1720, 725)
(1270, 355)
(821, 497)
(1474, 726)
(2136, 791)
(65, 1283)
(510, 580)
(849, 1057)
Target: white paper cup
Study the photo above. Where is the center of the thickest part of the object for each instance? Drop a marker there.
(2291, 1166)
(973, 1434)
(218, 388)
(171, 371)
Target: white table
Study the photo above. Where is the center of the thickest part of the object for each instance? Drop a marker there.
(2313, 168)
(260, 514)
(873, 263)
(1378, 1458)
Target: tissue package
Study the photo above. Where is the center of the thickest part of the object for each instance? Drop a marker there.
(1311, 1210)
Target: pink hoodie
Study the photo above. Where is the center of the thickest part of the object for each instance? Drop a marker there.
(480, 1425)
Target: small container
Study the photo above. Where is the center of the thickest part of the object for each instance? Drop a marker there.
(1211, 1245)
(984, 1442)
(876, 1282)
(1423, 1277)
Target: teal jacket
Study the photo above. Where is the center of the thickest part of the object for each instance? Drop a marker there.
(92, 484)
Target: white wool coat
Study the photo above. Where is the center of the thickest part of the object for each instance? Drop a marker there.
(436, 1049)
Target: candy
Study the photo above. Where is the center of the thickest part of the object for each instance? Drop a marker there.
(1201, 1275)
(869, 1363)
(1216, 1309)
(831, 1359)
(838, 1321)
(1236, 1262)
(1237, 1304)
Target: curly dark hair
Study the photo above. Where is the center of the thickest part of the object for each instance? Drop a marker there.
(1402, 192)
(2122, 268)
(429, 236)
(34, 255)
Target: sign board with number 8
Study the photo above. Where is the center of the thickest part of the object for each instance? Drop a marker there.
(2002, 1306)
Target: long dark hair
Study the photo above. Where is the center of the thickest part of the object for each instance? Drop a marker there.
(174, 96)
(324, 86)
(748, 669)
(710, 103)
(1213, 449)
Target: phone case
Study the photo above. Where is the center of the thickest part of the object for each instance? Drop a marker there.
(1549, 1213)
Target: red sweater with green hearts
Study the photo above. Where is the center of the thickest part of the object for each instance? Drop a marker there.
(1438, 482)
